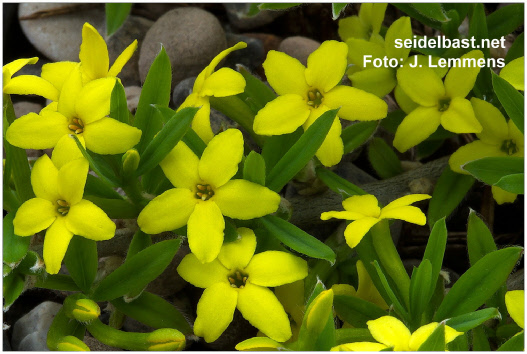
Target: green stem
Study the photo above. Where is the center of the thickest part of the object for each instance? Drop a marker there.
(116, 338)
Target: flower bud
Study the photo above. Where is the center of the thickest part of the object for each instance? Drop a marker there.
(83, 310)
(166, 339)
(72, 344)
(130, 161)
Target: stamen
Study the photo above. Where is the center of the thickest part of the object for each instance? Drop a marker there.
(238, 279)
(314, 98)
(63, 207)
(509, 147)
(76, 126)
(204, 192)
(444, 103)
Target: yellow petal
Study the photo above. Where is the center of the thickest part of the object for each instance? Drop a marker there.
(461, 79)
(404, 102)
(201, 122)
(18, 64)
(93, 102)
(222, 83)
(72, 178)
(66, 150)
(332, 148)
(352, 27)
(56, 243)
(244, 200)
(494, 124)
(421, 335)
(33, 131)
(33, 216)
(291, 296)
(88, 220)
(259, 344)
(220, 159)
(318, 310)
(283, 115)
(359, 347)
(459, 117)
(274, 268)
(31, 85)
(400, 29)
(416, 127)
(513, 72)
(202, 275)
(262, 309)
(407, 213)
(205, 231)
(57, 73)
(215, 311)
(326, 65)
(501, 196)
(122, 59)
(515, 302)
(357, 229)
(451, 334)
(391, 332)
(70, 92)
(516, 135)
(470, 152)
(372, 14)
(356, 104)
(109, 136)
(94, 53)
(159, 215)
(345, 215)
(237, 254)
(285, 74)
(363, 205)
(366, 289)
(359, 48)
(181, 167)
(379, 81)
(344, 289)
(406, 200)
(44, 179)
(421, 84)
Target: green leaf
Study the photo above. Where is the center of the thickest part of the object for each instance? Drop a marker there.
(436, 341)
(338, 184)
(277, 145)
(254, 168)
(12, 288)
(153, 311)
(115, 208)
(301, 152)
(480, 341)
(356, 311)
(449, 191)
(97, 187)
(478, 26)
(450, 28)
(118, 104)
(491, 169)
(63, 326)
(421, 288)
(505, 20)
(57, 282)
(277, 6)
(336, 10)
(357, 134)
(515, 344)
(14, 247)
(416, 12)
(315, 322)
(352, 335)
(155, 91)
(297, 239)
(460, 344)
(479, 239)
(81, 260)
(478, 283)
(166, 140)
(468, 321)
(512, 183)
(383, 159)
(516, 50)
(27, 265)
(116, 14)
(139, 242)
(256, 94)
(230, 234)
(391, 294)
(511, 100)
(138, 271)
(433, 11)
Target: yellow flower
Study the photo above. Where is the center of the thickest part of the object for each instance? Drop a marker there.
(80, 110)
(439, 103)
(222, 83)
(59, 207)
(365, 26)
(365, 210)
(239, 279)
(392, 333)
(204, 193)
(513, 72)
(26, 84)
(515, 302)
(306, 93)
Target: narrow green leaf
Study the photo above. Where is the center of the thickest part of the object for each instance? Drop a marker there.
(491, 169)
(357, 134)
(421, 288)
(14, 247)
(166, 139)
(505, 20)
(512, 183)
(155, 91)
(256, 92)
(435, 250)
(511, 100)
(138, 271)
(449, 191)
(479, 239)
(115, 208)
(139, 242)
(13, 286)
(391, 294)
(230, 234)
(81, 260)
(352, 335)
(118, 104)
(450, 28)
(383, 159)
(338, 184)
(57, 282)
(356, 311)
(116, 14)
(460, 344)
(478, 283)
(297, 239)
(97, 187)
(153, 311)
(336, 10)
(301, 152)
(254, 168)
(277, 6)
(516, 50)
(468, 321)
(436, 341)
(414, 12)
(515, 344)
(277, 145)
(480, 341)
(433, 11)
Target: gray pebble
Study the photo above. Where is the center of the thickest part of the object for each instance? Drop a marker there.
(516, 280)
(251, 57)
(238, 18)
(30, 331)
(299, 47)
(182, 90)
(24, 107)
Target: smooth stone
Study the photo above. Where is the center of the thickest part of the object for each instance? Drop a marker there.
(298, 47)
(251, 57)
(25, 107)
(30, 331)
(96, 346)
(182, 90)
(516, 280)
(132, 97)
(169, 282)
(238, 18)
(6, 346)
(192, 37)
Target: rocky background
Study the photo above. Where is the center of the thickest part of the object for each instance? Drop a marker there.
(192, 35)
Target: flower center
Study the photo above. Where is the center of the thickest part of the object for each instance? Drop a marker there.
(204, 192)
(63, 207)
(509, 147)
(76, 126)
(444, 103)
(238, 279)
(314, 98)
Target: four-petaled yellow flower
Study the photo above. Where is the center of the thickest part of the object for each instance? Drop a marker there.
(306, 93)
(365, 26)
(392, 333)
(26, 84)
(498, 138)
(439, 103)
(204, 193)
(365, 210)
(239, 279)
(222, 83)
(59, 207)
